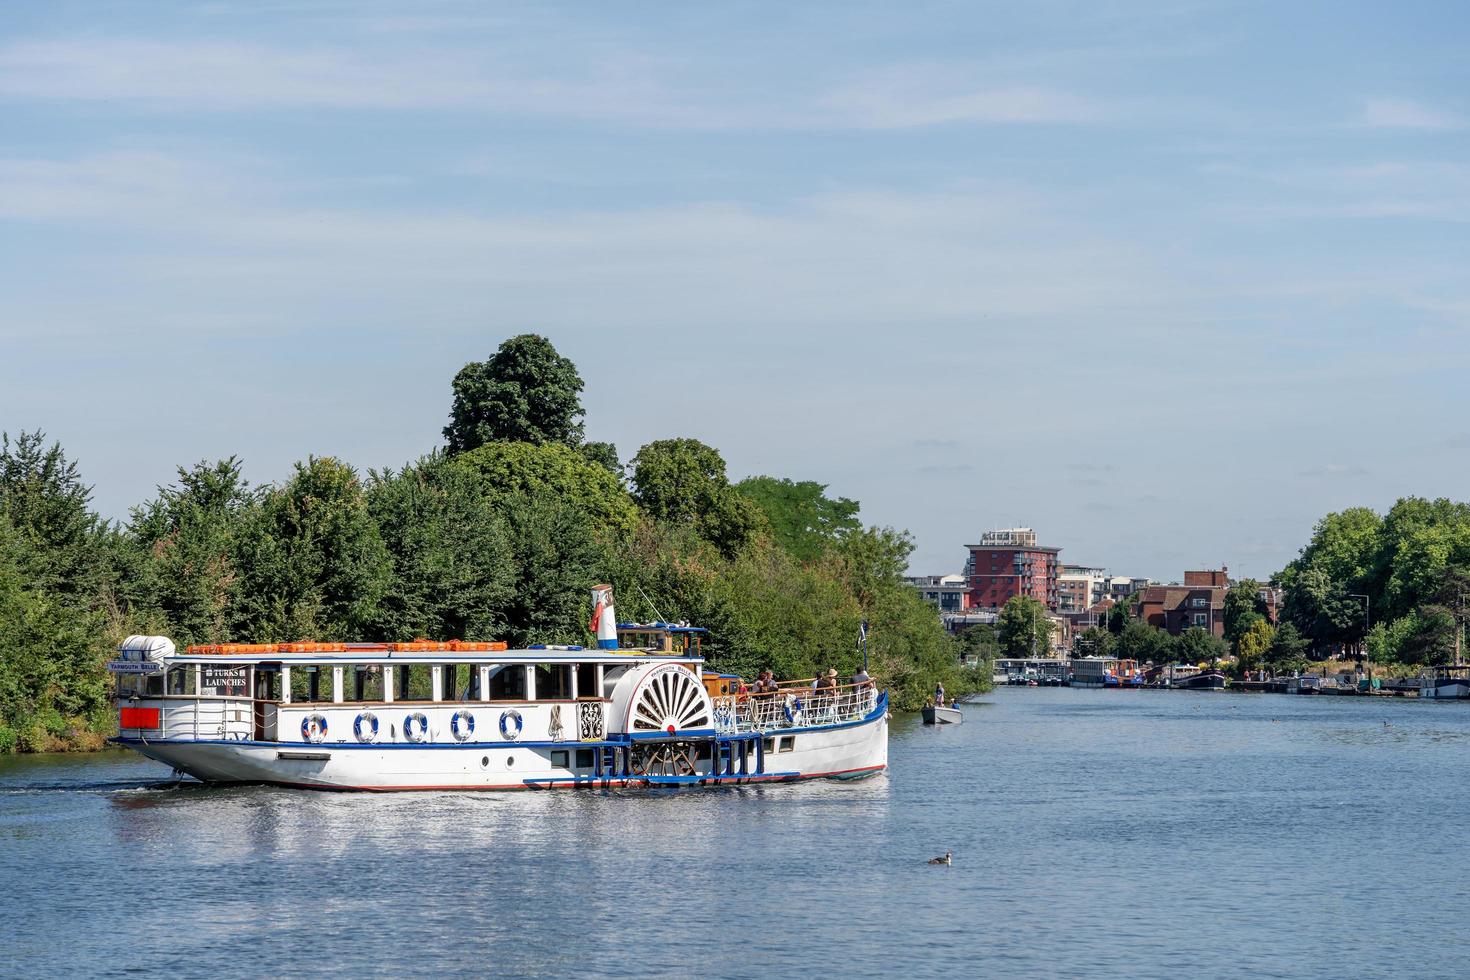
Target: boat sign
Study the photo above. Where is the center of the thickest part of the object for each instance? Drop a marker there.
(134, 667)
(226, 682)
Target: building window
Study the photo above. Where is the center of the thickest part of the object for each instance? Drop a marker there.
(1200, 619)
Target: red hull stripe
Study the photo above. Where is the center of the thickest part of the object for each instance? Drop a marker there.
(586, 783)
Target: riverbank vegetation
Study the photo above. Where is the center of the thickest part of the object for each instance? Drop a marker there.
(498, 534)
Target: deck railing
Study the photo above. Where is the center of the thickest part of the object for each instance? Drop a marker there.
(793, 706)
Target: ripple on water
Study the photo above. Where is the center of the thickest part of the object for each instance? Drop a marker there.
(1120, 833)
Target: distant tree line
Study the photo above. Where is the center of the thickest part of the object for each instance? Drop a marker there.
(497, 535)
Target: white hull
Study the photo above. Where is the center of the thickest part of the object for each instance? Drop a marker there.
(843, 751)
(1450, 689)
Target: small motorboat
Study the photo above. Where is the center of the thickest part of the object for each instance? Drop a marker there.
(942, 716)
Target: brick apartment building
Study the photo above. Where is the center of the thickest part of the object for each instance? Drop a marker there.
(1009, 563)
(1200, 601)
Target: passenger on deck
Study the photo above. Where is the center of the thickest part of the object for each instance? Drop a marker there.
(827, 681)
(939, 694)
(765, 683)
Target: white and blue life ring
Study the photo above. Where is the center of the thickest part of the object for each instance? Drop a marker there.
(510, 724)
(313, 728)
(462, 724)
(791, 709)
(365, 727)
(416, 727)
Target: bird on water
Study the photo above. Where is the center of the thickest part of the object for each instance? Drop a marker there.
(947, 859)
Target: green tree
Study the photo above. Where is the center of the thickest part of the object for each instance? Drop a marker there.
(52, 687)
(1322, 610)
(1094, 642)
(49, 508)
(802, 518)
(512, 471)
(188, 538)
(1288, 651)
(526, 392)
(557, 555)
(979, 646)
(1024, 629)
(604, 454)
(1242, 600)
(1253, 645)
(1120, 614)
(1199, 646)
(450, 549)
(1146, 644)
(682, 481)
(312, 563)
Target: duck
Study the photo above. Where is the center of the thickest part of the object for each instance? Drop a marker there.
(947, 859)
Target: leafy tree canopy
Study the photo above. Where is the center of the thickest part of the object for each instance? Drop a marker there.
(313, 564)
(526, 392)
(1024, 628)
(682, 481)
(48, 506)
(512, 471)
(452, 567)
(802, 518)
(1200, 646)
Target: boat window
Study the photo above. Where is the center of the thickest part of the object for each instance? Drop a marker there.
(367, 683)
(307, 684)
(560, 759)
(457, 680)
(153, 685)
(415, 683)
(181, 680)
(770, 745)
(129, 685)
(584, 758)
(587, 681)
(268, 683)
(553, 682)
(788, 743)
(508, 683)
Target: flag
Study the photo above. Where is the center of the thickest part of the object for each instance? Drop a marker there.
(596, 617)
(862, 632)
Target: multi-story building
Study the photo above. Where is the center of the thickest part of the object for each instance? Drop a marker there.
(1079, 587)
(1009, 563)
(948, 593)
(1200, 601)
(1121, 586)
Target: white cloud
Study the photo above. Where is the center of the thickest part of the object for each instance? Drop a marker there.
(592, 82)
(1407, 114)
(226, 237)
(932, 95)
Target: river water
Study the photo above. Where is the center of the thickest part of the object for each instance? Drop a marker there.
(1095, 833)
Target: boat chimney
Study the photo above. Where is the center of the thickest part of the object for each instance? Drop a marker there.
(604, 620)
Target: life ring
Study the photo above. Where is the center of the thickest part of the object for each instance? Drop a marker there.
(462, 725)
(510, 724)
(365, 727)
(416, 727)
(313, 728)
(791, 709)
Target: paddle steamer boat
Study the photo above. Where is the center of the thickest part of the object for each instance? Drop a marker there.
(639, 709)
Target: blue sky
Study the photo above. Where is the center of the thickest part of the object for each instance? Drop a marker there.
(1166, 281)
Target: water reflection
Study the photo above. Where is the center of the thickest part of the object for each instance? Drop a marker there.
(1083, 824)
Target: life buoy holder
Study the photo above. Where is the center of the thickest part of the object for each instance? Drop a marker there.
(462, 725)
(510, 724)
(365, 727)
(416, 727)
(313, 728)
